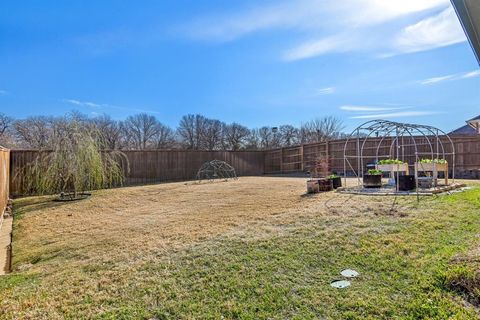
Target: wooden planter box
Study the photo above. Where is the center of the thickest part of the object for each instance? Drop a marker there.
(325, 185)
(319, 185)
(394, 167)
(433, 167)
(312, 186)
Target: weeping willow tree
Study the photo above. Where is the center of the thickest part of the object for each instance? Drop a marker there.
(74, 162)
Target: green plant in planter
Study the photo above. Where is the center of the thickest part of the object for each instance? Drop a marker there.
(436, 160)
(332, 176)
(390, 161)
(374, 172)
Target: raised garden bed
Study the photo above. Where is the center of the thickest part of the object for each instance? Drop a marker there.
(434, 167)
(397, 167)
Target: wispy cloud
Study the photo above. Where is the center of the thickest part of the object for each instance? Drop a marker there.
(451, 77)
(437, 79)
(383, 112)
(83, 103)
(304, 15)
(94, 105)
(436, 31)
(333, 26)
(402, 114)
(3, 92)
(324, 91)
(471, 74)
(369, 108)
(334, 44)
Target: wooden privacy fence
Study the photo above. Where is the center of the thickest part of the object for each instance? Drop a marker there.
(154, 166)
(301, 158)
(4, 179)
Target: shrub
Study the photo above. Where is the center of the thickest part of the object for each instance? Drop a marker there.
(75, 163)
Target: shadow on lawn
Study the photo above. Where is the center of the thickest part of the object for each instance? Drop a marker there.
(22, 206)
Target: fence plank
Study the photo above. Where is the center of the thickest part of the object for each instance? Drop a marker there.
(4, 180)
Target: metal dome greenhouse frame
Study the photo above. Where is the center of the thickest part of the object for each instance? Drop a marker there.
(376, 140)
(216, 169)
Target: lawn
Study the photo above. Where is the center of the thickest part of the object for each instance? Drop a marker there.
(255, 248)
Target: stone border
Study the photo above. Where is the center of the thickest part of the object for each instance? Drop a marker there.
(6, 229)
(393, 192)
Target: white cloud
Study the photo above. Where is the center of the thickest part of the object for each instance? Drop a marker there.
(324, 91)
(333, 26)
(103, 105)
(437, 31)
(305, 15)
(370, 108)
(437, 79)
(313, 48)
(402, 114)
(451, 77)
(471, 74)
(83, 103)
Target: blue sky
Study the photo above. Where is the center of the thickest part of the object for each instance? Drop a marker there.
(254, 62)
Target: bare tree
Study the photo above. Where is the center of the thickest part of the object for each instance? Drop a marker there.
(34, 132)
(5, 132)
(141, 130)
(5, 123)
(252, 141)
(191, 130)
(235, 135)
(213, 134)
(289, 135)
(165, 137)
(266, 137)
(110, 133)
(321, 129)
(200, 133)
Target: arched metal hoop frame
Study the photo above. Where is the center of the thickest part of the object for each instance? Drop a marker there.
(216, 169)
(402, 140)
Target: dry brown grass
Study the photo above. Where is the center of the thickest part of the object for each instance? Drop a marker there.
(114, 235)
(131, 223)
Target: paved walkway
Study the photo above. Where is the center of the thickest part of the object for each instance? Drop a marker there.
(5, 237)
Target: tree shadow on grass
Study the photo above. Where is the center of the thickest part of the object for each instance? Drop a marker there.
(22, 206)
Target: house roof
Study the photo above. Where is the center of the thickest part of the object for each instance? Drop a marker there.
(465, 130)
(468, 11)
(474, 119)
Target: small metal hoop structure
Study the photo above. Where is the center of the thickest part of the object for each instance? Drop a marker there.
(382, 139)
(216, 169)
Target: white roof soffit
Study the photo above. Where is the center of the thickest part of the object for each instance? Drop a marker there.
(468, 11)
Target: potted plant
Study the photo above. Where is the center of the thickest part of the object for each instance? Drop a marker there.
(336, 180)
(373, 179)
(406, 182)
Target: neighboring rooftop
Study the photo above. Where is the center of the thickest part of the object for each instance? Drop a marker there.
(471, 128)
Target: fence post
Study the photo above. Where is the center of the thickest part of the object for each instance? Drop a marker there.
(327, 154)
(281, 160)
(301, 158)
